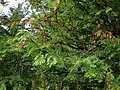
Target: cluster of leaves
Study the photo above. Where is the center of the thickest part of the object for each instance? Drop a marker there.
(59, 50)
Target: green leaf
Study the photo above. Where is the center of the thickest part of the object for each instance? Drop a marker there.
(108, 9)
(98, 13)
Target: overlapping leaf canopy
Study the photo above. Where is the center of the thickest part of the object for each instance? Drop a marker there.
(63, 43)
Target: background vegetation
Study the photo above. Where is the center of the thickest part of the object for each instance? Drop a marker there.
(62, 45)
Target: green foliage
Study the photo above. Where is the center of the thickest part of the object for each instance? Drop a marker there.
(61, 52)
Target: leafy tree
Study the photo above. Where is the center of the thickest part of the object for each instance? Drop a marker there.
(62, 47)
